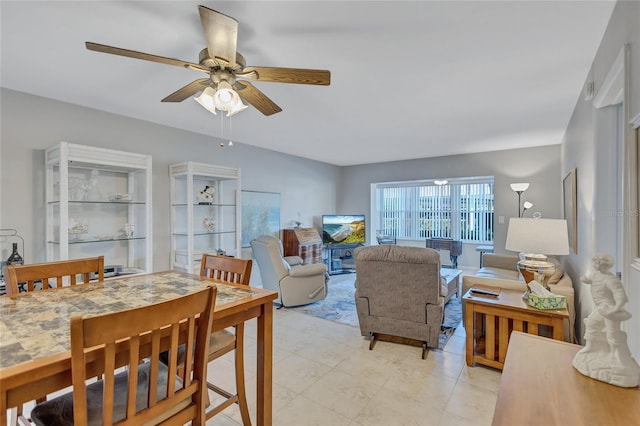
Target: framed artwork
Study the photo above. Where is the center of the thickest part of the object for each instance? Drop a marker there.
(570, 207)
(260, 215)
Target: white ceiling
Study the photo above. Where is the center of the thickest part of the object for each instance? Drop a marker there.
(408, 79)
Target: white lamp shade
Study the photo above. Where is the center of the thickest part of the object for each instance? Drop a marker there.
(236, 107)
(544, 236)
(519, 187)
(224, 96)
(206, 99)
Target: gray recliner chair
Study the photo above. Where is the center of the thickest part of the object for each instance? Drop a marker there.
(296, 284)
(399, 293)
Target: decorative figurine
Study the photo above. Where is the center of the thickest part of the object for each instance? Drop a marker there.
(298, 222)
(209, 223)
(206, 195)
(128, 229)
(93, 190)
(606, 355)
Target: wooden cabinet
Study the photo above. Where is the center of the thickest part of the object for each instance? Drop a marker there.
(98, 202)
(303, 242)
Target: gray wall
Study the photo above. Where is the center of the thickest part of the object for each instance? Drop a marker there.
(30, 124)
(584, 138)
(539, 166)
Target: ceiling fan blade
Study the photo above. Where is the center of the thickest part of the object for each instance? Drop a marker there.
(250, 94)
(221, 33)
(188, 90)
(145, 56)
(288, 75)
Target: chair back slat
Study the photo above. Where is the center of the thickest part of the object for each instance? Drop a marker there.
(174, 322)
(60, 270)
(132, 386)
(224, 268)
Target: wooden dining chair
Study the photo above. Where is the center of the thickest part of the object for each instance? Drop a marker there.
(237, 271)
(46, 273)
(145, 391)
(63, 271)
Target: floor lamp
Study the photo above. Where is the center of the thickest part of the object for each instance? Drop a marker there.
(519, 188)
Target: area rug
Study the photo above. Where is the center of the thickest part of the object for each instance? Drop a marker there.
(340, 306)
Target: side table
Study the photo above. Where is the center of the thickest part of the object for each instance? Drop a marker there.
(452, 278)
(454, 247)
(539, 386)
(490, 321)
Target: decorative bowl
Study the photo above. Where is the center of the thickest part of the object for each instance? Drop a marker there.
(121, 196)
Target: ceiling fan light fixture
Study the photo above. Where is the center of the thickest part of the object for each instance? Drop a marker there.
(225, 96)
(206, 99)
(236, 107)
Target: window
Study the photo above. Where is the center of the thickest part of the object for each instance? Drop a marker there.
(462, 209)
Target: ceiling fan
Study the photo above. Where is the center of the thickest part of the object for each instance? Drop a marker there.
(225, 66)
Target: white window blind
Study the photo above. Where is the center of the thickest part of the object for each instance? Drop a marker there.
(462, 210)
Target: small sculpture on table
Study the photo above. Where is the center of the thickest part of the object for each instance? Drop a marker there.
(606, 355)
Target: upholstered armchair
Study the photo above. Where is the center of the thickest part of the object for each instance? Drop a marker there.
(295, 283)
(399, 293)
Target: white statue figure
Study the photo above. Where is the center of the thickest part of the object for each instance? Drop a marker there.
(606, 356)
(206, 195)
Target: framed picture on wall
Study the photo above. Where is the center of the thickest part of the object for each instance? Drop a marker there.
(570, 207)
(260, 215)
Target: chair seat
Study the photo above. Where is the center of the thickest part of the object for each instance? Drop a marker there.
(59, 411)
(219, 340)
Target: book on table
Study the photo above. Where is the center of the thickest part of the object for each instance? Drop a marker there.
(485, 290)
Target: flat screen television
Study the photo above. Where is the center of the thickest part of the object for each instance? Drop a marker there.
(343, 229)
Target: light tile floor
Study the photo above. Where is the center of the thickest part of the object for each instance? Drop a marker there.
(324, 374)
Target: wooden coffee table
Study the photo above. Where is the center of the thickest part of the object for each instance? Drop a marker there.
(490, 321)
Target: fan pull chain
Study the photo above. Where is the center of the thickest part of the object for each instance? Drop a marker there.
(221, 130)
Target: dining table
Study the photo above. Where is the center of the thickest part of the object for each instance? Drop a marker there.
(35, 355)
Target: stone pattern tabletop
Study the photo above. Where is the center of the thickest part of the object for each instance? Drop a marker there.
(36, 325)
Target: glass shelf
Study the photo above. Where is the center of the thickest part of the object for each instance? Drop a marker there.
(100, 202)
(97, 193)
(203, 205)
(203, 222)
(184, 234)
(98, 240)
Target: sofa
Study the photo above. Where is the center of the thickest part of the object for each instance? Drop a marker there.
(296, 284)
(501, 270)
(399, 293)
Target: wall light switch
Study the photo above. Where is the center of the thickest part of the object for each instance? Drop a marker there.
(501, 219)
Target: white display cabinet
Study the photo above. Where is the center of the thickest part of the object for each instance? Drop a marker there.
(98, 202)
(205, 213)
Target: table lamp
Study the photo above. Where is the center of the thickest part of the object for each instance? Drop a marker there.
(535, 239)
